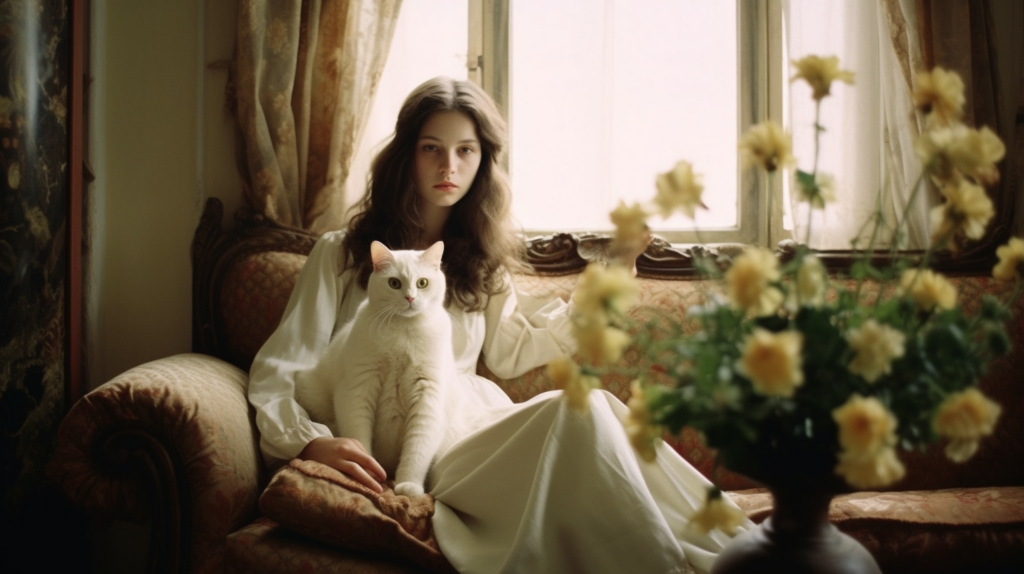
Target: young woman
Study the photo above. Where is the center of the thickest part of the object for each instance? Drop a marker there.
(536, 487)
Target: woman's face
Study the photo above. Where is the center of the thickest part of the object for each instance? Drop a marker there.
(448, 156)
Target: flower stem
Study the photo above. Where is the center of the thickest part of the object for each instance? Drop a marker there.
(814, 169)
(878, 218)
(906, 209)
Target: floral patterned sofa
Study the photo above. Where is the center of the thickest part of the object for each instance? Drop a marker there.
(173, 441)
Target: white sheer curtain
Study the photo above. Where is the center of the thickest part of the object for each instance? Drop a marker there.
(430, 40)
(870, 126)
(607, 94)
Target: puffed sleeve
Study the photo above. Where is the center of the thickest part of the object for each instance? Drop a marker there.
(521, 337)
(295, 346)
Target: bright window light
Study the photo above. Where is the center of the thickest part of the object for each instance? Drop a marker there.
(607, 94)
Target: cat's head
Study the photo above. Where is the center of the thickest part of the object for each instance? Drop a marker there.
(406, 281)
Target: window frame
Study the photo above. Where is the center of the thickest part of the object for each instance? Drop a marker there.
(761, 24)
(759, 31)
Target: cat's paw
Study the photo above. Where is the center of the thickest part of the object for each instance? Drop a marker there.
(409, 489)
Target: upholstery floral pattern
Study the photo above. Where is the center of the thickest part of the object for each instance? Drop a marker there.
(196, 407)
(929, 469)
(924, 530)
(326, 505)
(266, 547)
(252, 300)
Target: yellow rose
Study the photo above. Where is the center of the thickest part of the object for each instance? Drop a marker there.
(819, 73)
(1011, 258)
(599, 343)
(867, 433)
(630, 223)
(865, 426)
(869, 472)
(960, 450)
(928, 289)
(940, 95)
(767, 146)
(966, 211)
(875, 346)
(717, 512)
(960, 149)
(772, 362)
(577, 392)
(562, 370)
(565, 374)
(605, 288)
(967, 415)
(643, 435)
(749, 278)
(679, 189)
(811, 282)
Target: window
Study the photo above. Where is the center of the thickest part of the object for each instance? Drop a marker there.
(599, 107)
(851, 114)
(602, 95)
(430, 40)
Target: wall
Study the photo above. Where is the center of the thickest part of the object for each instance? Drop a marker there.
(160, 144)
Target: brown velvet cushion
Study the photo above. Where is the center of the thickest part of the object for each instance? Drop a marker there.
(266, 547)
(253, 296)
(319, 502)
(947, 530)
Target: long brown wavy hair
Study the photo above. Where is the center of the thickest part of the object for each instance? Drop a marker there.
(480, 242)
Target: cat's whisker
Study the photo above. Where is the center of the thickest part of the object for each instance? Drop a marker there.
(394, 311)
(378, 319)
(382, 320)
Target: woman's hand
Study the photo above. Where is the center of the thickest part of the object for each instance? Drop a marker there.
(348, 456)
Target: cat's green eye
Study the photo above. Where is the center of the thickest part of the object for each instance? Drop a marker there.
(394, 283)
(422, 283)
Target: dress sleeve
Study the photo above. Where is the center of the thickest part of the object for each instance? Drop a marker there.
(295, 346)
(520, 337)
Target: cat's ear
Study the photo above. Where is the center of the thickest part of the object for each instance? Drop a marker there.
(381, 256)
(433, 254)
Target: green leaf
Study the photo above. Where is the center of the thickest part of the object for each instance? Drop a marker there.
(865, 270)
(997, 340)
(993, 309)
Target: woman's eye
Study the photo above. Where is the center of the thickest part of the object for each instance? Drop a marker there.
(422, 283)
(430, 147)
(467, 150)
(394, 283)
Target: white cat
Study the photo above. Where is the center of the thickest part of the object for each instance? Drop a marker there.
(388, 372)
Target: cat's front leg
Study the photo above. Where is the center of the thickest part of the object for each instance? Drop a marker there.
(354, 413)
(423, 436)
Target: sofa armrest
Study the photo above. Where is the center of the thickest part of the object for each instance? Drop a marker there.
(172, 441)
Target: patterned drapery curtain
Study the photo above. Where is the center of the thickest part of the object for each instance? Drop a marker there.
(960, 35)
(304, 76)
(900, 128)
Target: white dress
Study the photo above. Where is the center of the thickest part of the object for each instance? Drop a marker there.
(537, 487)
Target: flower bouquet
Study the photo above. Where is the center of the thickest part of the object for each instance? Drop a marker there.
(793, 375)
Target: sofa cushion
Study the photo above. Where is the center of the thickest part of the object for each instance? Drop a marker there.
(946, 530)
(266, 547)
(317, 501)
(253, 296)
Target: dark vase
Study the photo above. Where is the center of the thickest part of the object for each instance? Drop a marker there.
(797, 537)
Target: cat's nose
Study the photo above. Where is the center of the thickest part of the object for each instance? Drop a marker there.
(409, 299)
